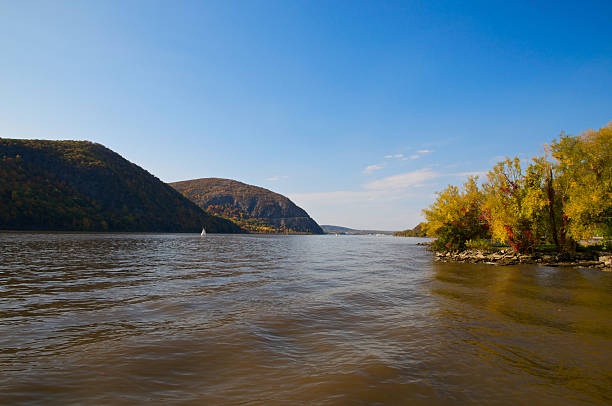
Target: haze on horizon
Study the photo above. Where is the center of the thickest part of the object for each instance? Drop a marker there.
(357, 111)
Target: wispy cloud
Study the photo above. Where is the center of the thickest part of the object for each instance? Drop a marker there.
(406, 193)
(399, 186)
(498, 158)
(396, 156)
(357, 196)
(277, 178)
(402, 180)
(404, 186)
(344, 196)
(467, 174)
(371, 168)
(420, 153)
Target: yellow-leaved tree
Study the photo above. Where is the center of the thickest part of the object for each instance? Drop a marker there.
(456, 216)
(584, 164)
(516, 204)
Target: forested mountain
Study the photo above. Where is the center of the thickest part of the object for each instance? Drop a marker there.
(83, 186)
(253, 208)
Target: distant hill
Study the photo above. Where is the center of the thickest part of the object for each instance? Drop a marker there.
(83, 186)
(418, 231)
(253, 208)
(329, 229)
(336, 229)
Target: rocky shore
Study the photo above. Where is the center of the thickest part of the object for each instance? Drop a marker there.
(509, 257)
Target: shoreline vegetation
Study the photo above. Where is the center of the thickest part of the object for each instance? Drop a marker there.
(555, 209)
(418, 231)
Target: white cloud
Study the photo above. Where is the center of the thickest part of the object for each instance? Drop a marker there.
(365, 209)
(392, 187)
(337, 196)
(403, 180)
(398, 156)
(277, 178)
(388, 156)
(468, 174)
(392, 202)
(371, 168)
(498, 158)
(376, 204)
(356, 196)
(420, 152)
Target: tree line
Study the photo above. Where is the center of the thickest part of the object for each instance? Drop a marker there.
(558, 199)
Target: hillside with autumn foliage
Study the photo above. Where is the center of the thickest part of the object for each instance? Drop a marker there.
(84, 186)
(255, 209)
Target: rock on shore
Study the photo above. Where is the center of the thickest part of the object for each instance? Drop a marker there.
(509, 257)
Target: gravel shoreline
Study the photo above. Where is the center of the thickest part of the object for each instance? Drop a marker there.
(509, 257)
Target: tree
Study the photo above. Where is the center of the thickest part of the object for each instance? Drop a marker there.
(551, 226)
(584, 163)
(456, 217)
(515, 203)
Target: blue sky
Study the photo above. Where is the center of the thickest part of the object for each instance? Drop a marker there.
(358, 111)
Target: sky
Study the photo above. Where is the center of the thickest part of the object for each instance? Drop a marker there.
(357, 111)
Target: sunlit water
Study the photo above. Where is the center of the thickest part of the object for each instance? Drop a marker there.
(281, 320)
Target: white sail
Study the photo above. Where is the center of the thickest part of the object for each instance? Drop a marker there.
(203, 233)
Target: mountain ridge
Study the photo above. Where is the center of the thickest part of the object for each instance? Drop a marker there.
(254, 208)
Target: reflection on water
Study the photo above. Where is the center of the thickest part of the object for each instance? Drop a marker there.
(322, 320)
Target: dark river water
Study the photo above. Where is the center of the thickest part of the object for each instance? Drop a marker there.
(122, 319)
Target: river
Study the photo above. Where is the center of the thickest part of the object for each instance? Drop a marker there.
(124, 319)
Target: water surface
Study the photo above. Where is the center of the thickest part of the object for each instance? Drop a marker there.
(273, 320)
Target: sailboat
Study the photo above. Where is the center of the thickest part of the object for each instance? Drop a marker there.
(203, 233)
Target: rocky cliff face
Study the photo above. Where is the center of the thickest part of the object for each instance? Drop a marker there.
(254, 208)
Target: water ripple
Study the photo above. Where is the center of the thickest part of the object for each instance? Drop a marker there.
(315, 320)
